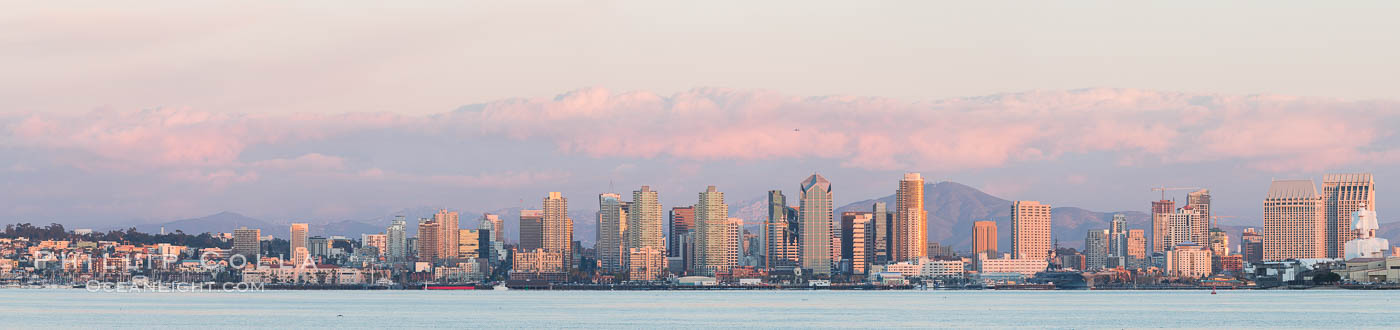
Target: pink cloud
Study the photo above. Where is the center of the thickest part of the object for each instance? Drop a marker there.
(1274, 133)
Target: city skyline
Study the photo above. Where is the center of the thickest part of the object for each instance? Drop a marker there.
(712, 164)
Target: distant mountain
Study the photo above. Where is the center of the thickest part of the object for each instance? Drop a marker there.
(223, 222)
(953, 207)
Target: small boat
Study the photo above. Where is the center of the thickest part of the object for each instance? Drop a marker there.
(1212, 290)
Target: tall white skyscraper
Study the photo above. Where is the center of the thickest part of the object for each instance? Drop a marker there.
(1030, 230)
(644, 220)
(1294, 222)
(397, 239)
(558, 227)
(711, 233)
(817, 223)
(911, 220)
(610, 246)
(1343, 195)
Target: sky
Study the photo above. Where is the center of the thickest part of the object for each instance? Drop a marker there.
(115, 113)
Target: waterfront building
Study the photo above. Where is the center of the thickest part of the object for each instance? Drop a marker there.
(448, 228)
(1294, 224)
(682, 222)
(1373, 270)
(1366, 244)
(1343, 195)
(248, 243)
(610, 244)
(644, 232)
(984, 237)
(1252, 245)
(429, 240)
(1030, 230)
(911, 220)
(1188, 260)
(1161, 212)
(397, 239)
(856, 243)
(1008, 264)
(646, 263)
(711, 233)
(538, 264)
(816, 216)
(1096, 249)
(298, 239)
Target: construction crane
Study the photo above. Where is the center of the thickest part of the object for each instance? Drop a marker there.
(1213, 218)
(1164, 190)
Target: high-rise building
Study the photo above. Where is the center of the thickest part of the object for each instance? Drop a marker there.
(380, 243)
(531, 230)
(733, 242)
(1161, 224)
(1185, 225)
(1200, 202)
(612, 226)
(1219, 242)
(882, 228)
(448, 228)
(644, 221)
(856, 241)
(1252, 245)
(682, 222)
(780, 236)
(1137, 246)
(911, 220)
(1096, 249)
(1294, 222)
(429, 240)
(397, 240)
(298, 240)
(711, 233)
(469, 243)
(558, 227)
(816, 216)
(248, 243)
(1118, 236)
(1030, 230)
(497, 227)
(984, 237)
(645, 264)
(1344, 194)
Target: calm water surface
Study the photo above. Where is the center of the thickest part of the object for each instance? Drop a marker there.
(1336, 309)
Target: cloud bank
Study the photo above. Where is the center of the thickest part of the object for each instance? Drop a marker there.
(56, 159)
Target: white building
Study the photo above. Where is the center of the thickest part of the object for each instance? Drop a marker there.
(1025, 267)
(1189, 260)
